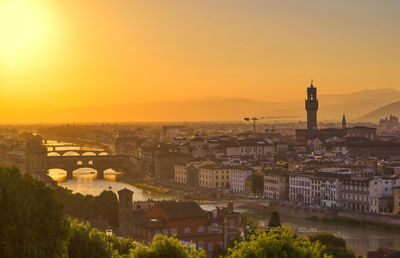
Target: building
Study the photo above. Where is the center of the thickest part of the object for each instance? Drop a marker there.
(330, 186)
(214, 176)
(355, 194)
(312, 107)
(186, 220)
(255, 148)
(381, 194)
(396, 200)
(189, 173)
(238, 175)
(300, 188)
(312, 138)
(276, 184)
(36, 156)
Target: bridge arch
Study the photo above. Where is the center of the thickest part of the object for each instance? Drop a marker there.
(53, 154)
(84, 171)
(71, 153)
(88, 153)
(57, 173)
(104, 153)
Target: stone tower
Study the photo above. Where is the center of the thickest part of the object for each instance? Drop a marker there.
(344, 122)
(125, 208)
(312, 107)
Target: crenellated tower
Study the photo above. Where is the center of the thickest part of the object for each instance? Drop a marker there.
(312, 107)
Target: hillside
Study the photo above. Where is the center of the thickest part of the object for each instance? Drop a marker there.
(376, 115)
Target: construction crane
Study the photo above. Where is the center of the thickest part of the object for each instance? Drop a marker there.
(254, 119)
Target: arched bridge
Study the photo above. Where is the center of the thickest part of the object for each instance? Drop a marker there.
(80, 152)
(99, 163)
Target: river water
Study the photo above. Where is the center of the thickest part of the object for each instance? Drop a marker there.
(360, 240)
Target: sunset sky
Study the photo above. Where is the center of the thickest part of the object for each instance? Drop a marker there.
(62, 53)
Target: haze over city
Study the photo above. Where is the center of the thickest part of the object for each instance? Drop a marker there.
(93, 53)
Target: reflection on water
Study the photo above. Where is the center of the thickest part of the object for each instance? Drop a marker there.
(85, 182)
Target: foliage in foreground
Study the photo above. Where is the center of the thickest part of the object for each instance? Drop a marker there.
(278, 242)
(166, 247)
(31, 220)
(88, 207)
(335, 246)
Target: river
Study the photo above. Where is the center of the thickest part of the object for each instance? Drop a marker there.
(360, 240)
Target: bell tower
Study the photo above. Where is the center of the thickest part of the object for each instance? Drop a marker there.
(312, 107)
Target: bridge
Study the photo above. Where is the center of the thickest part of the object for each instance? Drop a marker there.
(80, 152)
(239, 203)
(99, 163)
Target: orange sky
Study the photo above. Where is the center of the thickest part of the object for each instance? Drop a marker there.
(62, 53)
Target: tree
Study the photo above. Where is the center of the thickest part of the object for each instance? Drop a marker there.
(258, 182)
(335, 246)
(87, 207)
(31, 220)
(166, 247)
(107, 206)
(274, 221)
(86, 242)
(278, 242)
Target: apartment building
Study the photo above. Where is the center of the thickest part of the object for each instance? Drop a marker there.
(300, 187)
(238, 175)
(214, 176)
(276, 184)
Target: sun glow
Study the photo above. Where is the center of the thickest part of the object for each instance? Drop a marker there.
(24, 29)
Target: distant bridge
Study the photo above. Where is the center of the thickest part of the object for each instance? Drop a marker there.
(239, 203)
(80, 152)
(98, 163)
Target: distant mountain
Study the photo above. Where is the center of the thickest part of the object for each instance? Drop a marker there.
(376, 115)
(354, 105)
(331, 107)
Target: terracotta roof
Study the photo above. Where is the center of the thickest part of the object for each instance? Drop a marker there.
(178, 210)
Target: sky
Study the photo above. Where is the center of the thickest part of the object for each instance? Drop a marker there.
(68, 53)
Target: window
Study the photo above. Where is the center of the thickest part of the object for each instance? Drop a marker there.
(200, 244)
(174, 231)
(200, 229)
(210, 247)
(165, 232)
(187, 230)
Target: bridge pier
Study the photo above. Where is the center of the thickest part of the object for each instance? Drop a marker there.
(69, 174)
(100, 174)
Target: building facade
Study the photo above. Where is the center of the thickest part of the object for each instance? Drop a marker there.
(238, 175)
(300, 188)
(276, 184)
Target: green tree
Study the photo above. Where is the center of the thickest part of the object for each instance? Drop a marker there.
(278, 242)
(87, 207)
(257, 182)
(107, 206)
(31, 220)
(274, 221)
(166, 247)
(85, 241)
(335, 246)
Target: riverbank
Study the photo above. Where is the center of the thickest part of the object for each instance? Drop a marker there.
(358, 223)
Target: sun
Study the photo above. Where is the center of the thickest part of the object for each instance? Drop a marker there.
(24, 27)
